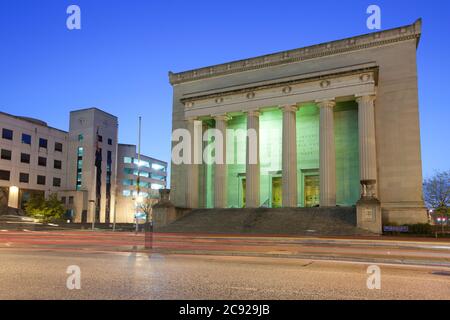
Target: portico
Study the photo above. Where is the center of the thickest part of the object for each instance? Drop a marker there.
(324, 118)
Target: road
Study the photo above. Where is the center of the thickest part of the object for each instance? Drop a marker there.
(42, 275)
(33, 265)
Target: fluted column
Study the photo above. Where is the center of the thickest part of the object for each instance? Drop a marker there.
(327, 154)
(367, 143)
(220, 168)
(194, 127)
(289, 165)
(252, 198)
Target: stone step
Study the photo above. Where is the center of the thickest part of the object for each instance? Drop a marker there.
(282, 221)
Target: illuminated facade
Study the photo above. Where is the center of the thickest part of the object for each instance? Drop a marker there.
(85, 166)
(327, 117)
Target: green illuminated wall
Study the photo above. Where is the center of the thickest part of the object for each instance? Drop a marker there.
(347, 153)
(347, 159)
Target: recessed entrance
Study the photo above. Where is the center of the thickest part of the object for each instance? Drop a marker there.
(311, 190)
(276, 192)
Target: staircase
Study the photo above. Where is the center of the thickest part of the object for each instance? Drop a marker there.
(268, 221)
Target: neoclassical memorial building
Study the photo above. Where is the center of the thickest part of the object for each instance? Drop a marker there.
(327, 117)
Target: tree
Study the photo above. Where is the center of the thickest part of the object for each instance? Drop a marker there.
(44, 209)
(146, 205)
(436, 191)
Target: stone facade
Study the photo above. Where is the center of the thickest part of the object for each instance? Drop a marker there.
(371, 79)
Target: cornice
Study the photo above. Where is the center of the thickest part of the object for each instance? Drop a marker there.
(376, 39)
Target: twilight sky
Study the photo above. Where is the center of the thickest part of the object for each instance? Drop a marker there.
(120, 58)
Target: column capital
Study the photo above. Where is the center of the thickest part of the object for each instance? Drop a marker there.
(191, 119)
(326, 103)
(289, 108)
(253, 113)
(221, 117)
(365, 97)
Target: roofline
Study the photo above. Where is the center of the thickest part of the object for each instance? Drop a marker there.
(32, 121)
(404, 33)
(142, 155)
(96, 109)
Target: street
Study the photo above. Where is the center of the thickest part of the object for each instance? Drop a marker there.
(33, 265)
(42, 275)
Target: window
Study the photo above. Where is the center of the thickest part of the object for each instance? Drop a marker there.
(58, 146)
(127, 160)
(6, 154)
(110, 141)
(42, 161)
(157, 186)
(26, 138)
(57, 164)
(71, 200)
(80, 137)
(159, 167)
(63, 200)
(41, 180)
(43, 143)
(99, 138)
(24, 177)
(5, 175)
(7, 134)
(57, 182)
(80, 154)
(126, 193)
(24, 158)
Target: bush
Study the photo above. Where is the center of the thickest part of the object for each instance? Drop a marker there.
(45, 210)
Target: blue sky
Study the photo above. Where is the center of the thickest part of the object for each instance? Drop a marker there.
(120, 58)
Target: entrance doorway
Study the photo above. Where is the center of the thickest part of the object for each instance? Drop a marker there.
(311, 190)
(276, 192)
(241, 190)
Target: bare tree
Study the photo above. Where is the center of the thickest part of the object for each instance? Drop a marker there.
(436, 191)
(146, 207)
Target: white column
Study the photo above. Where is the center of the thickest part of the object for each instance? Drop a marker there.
(220, 169)
(192, 186)
(367, 143)
(289, 165)
(327, 154)
(252, 198)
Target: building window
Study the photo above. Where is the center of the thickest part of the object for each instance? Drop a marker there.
(80, 153)
(80, 137)
(99, 138)
(57, 182)
(158, 167)
(126, 193)
(24, 177)
(41, 180)
(57, 164)
(42, 161)
(63, 200)
(157, 186)
(71, 200)
(26, 138)
(7, 134)
(5, 175)
(58, 146)
(110, 141)
(24, 158)
(43, 143)
(6, 154)
(127, 160)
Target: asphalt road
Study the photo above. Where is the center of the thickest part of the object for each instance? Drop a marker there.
(41, 274)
